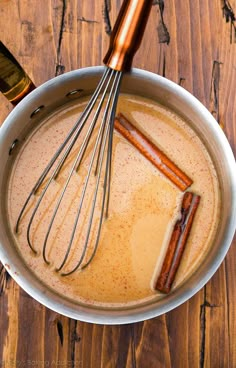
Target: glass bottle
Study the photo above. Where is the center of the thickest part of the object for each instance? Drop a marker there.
(14, 82)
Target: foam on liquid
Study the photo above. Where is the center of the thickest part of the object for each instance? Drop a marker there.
(143, 207)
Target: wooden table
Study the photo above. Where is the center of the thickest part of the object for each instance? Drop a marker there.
(193, 43)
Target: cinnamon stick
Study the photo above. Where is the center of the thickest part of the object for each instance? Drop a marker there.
(152, 152)
(177, 242)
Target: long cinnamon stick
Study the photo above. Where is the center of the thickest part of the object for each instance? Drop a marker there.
(152, 152)
(177, 242)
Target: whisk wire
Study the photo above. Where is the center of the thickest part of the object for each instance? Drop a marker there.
(106, 190)
(112, 119)
(106, 125)
(77, 160)
(40, 180)
(99, 139)
(79, 124)
(105, 132)
(75, 165)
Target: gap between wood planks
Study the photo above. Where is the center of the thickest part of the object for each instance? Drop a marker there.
(90, 21)
(60, 68)
(106, 8)
(4, 279)
(215, 90)
(203, 307)
(162, 30)
(229, 15)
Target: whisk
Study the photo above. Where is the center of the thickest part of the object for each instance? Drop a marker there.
(124, 42)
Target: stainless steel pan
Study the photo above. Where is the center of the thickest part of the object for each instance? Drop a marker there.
(55, 94)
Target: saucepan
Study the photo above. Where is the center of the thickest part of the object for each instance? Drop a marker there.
(55, 94)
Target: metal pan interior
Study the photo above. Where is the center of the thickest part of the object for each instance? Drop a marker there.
(64, 91)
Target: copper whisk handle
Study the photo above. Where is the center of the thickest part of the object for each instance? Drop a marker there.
(127, 33)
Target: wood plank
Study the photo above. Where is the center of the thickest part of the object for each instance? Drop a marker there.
(5, 301)
(152, 344)
(30, 329)
(231, 297)
(215, 305)
(221, 292)
(57, 338)
(109, 346)
(59, 36)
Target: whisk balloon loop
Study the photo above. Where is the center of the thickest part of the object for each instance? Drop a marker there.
(98, 116)
(110, 78)
(60, 149)
(105, 133)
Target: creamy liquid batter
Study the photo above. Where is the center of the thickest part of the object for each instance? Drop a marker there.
(143, 207)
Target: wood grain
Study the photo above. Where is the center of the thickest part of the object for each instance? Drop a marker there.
(193, 43)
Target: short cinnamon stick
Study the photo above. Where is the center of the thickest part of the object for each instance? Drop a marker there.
(152, 152)
(177, 242)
